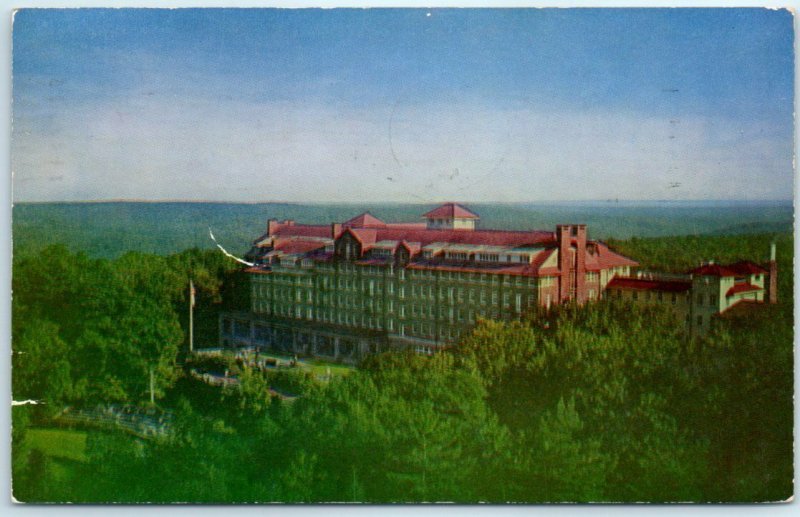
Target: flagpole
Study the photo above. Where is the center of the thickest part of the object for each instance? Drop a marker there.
(152, 394)
(191, 316)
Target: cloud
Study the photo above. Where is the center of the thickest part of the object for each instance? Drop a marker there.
(158, 146)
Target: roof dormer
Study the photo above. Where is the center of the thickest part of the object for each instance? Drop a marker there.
(451, 216)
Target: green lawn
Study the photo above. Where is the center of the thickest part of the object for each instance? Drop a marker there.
(58, 443)
(318, 367)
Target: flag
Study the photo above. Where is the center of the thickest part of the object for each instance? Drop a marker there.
(191, 293)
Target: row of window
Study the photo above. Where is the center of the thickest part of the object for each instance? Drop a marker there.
(347, 281)
(355, 312)
(670, 297)
(452, 294)
(712, 299)
(651, 296)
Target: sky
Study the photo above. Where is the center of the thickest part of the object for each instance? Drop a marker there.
(403, 105)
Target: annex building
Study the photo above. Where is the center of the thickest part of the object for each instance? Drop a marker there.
(348, 289)
(704, 292)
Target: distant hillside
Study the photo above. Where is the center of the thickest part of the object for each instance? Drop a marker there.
(110, 229)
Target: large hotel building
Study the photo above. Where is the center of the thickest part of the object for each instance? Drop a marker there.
(347, 289)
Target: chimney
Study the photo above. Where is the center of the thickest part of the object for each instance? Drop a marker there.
(580, 263)
(272, 226)
(564, 259)
(773, 275)
(336, 229)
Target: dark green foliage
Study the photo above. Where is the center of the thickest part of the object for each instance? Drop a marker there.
(607, 402)
(679, 254)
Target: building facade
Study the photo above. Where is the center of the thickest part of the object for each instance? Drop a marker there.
(348, 289)
(700, 295)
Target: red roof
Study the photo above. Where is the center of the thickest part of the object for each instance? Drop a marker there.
(741, 268)
(304, 230)
(257, 269)
(641, 284)
(294, 247)
(365, 220)
(604, 258)
(366, 236)
(477, 267)
(293, 238)
(743, 288)
(409, 226)
(450, 210)
(413, 248)
(745, 267)
(369, 236)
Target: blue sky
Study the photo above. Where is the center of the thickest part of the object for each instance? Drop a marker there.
(402, 105)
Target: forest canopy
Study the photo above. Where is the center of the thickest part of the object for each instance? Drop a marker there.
(607, 402)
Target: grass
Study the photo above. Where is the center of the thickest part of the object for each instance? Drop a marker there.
(58, 443)
(319, 367)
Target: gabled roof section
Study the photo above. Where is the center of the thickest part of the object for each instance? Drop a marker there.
(412, 247)
(365, 236)
(604, 258)
(365, 220)
(741, 268)
(451, 210)
(745, 267)
(743, 288)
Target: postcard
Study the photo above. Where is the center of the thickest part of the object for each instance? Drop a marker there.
(475, 255)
